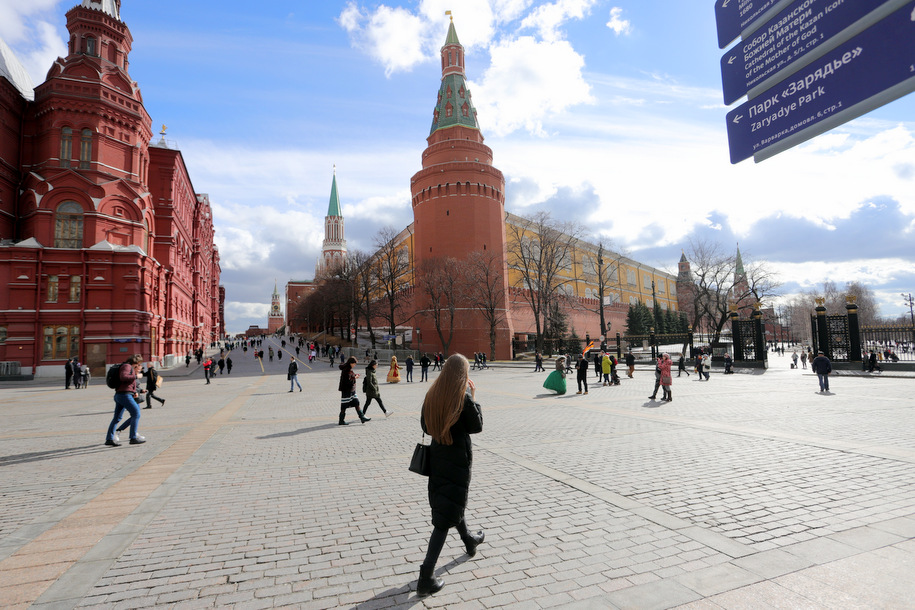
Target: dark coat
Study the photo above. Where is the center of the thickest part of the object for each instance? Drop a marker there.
(370, 384)
(347, 385)
(449, 479)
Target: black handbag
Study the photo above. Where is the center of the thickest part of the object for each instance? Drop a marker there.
(420, 463)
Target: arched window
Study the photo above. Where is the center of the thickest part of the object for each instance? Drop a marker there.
(90, 46)
(66, 146)
(68, 226)
(85, 148)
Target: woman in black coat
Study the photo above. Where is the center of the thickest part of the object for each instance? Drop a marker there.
(347, 389)
(449, 415)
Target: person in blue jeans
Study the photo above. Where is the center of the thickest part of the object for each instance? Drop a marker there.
(125, 398)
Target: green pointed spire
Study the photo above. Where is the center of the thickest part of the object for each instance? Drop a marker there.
(452, 34)
(739, 270)
(333, 208)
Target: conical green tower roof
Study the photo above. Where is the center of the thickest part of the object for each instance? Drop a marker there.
(454, 105)
(333, 208)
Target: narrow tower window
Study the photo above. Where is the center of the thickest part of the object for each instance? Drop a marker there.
(66, 146)
(85, 149)
(90, 46)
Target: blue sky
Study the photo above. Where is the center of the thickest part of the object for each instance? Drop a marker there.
(609, 113)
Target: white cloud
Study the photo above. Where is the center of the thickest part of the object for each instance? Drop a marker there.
(619, 26)
(527, 82)
(28, 27)
(547, 19)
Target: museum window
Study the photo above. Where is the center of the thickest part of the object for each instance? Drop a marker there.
(68, 226)
(66, 146)
(85, 149)
(52, 289)
(2, 335)
(76, 284)
(61, 342)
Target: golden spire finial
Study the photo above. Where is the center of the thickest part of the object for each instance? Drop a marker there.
(450, 15)
(162, 133)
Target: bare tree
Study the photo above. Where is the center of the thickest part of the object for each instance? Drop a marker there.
(718, 284)
(601, 270)
(439, 285)
(391, 267)
(540, 252)
(484, 290)
(364, 288)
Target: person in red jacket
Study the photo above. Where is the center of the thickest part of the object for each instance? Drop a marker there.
(207, 368)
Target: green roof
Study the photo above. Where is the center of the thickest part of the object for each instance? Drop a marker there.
(454, 92)
(452, 35)
(333, 209)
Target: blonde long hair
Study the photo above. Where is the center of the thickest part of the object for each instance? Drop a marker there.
(445, 399)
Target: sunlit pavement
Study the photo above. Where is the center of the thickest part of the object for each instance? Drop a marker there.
(747, 491)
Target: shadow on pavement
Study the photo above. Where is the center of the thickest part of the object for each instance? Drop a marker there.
(297, 432)
(401, 595)
(38, 456)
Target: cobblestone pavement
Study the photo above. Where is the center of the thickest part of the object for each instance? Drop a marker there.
(752, 491)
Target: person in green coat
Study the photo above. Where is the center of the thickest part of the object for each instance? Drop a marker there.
(556, 380)
(370, 387)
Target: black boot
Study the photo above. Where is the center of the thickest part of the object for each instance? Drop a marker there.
(362, 417)
(472, 541)
(343, 418)
(428, 582)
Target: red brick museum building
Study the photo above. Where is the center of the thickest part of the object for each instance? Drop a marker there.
(106, 249)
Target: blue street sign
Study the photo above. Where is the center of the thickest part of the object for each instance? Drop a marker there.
(872, 69)
(793, 38)
(734, 17)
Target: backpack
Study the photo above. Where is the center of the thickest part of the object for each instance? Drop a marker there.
(113, 376)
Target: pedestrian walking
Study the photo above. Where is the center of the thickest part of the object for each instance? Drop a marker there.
(706, 365)
(630, 364)
(822, 367)
(187, 360)
(681, 365)
(125, 399)
(599, 364)
(582, 367)
(803, 359)
(207, 366)
(292, 374)
(221, 363)
(86, 374)
(370, 389)
(556, 380)
(424, 363)
(538, 362)
(450, 414)
(394, 371)
(229, 365)
(347, 388)
(666, 380)
(153, 381)
(728, 362)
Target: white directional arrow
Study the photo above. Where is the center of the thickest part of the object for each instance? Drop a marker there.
(731, 59)
(737, 119)
(725, 4)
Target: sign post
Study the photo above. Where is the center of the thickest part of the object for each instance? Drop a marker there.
(867, 71)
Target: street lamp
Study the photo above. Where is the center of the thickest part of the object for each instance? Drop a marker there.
(907, 298)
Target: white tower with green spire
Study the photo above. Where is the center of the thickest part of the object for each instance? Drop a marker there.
(333, 252)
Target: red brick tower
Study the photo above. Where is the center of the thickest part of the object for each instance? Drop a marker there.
(458, 203)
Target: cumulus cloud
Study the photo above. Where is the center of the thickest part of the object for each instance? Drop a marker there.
(527, 81)
(548, 19)
(619, 26)
(29, 28)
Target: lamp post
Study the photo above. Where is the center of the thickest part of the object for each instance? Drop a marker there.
(907, 298)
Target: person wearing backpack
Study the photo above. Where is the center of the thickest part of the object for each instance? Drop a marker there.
(125, 398)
